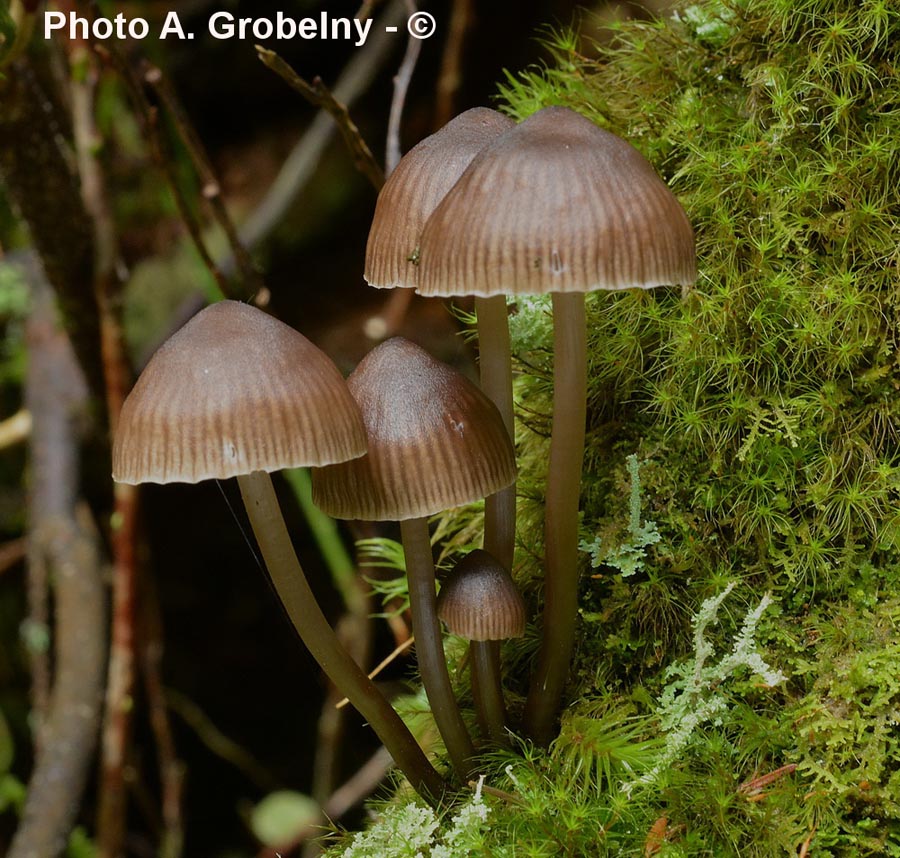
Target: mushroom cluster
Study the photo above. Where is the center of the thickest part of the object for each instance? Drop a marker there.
(552, 205)
(485, 208)
(435, 442)
(236, 393)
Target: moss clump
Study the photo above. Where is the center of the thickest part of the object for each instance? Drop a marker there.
(764, 409)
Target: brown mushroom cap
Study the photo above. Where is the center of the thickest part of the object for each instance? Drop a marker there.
(479, 600)
(417, 185)
(435, 441)
(556, 204)
(234, 391)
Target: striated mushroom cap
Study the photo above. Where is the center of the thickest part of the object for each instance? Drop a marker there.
(417, 185)
(435, 441)
(234, 391)
(479, 600)
(556, 204)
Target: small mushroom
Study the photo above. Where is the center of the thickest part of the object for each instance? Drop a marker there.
(480, 602)
(435, 442)
(558, 205)
(236, 393)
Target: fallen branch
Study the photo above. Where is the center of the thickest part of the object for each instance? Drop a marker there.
(300, 165)
(317, 94)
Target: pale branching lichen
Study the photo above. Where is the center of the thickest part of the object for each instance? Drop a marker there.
(416, 831)
(628, 555)
(695, 690)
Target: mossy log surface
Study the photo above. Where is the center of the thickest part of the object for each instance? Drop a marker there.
(763, 409)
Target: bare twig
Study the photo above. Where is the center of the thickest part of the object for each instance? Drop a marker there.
(212, 191)
(162, 156)
(62, 540)
(355, 79)
(401, 87)
(362, 784)
(450, 76)
(217, 742)
(317, 94)
(120, 678)
(387, 660)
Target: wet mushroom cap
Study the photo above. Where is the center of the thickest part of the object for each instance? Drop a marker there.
(556, 204)
(234, 391)
(417, 185)
(479, 600)
(435, 441)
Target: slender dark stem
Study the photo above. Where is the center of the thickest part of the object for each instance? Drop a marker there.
(496, 381)
(320, 639)
(561, 515)
(430, 645)
(484, 661)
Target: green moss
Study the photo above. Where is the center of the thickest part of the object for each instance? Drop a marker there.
(764, 409)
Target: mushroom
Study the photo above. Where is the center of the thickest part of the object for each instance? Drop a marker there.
(417, 185)
(435, 442)
(480, 602)
(236, 393)
(557, 205)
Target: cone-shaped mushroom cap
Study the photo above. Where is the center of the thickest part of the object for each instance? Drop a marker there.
(234, 391)
(435, 441)
(556, 205)
(417, 185)
(480, 602)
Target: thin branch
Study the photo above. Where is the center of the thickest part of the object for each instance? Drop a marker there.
(212, 191)
(117, 378)
(317, 94)
(160, 151)
(300, 165)
(401, 87)
(217, 742)
(389, 659)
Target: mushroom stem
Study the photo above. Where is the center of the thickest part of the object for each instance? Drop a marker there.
(484, 661)
(430, 645)
(495, 364)
(318, 636)
(561, 515)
